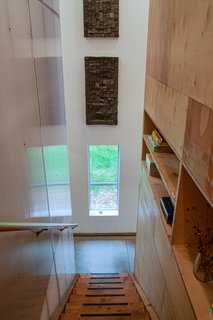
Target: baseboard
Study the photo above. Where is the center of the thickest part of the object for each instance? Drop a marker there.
(114, 235)
(104, 236)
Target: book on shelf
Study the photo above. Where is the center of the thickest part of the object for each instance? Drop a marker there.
(151, 166)
(158, 143)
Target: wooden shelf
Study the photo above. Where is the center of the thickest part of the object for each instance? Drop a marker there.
(168, 166)
(200, 294)
(159, 191)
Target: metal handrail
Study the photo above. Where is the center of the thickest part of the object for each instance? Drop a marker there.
(36, 227)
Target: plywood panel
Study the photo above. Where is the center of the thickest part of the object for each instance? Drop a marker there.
(198, 147)
(159, 39)
(155, 265)
(147, 267)
(191, 54)
(179, 299)
(180, 47)
(168, 110)
(192, 209)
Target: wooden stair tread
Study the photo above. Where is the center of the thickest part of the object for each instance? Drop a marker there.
(103, 275)
(105, 285)
(134, 317)
(124, 314)
(136, 307)
(79, 299)
(103, 280)
(111, 291)
(105, 296)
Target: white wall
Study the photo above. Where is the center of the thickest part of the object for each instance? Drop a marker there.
(36, 271)
(130, 47)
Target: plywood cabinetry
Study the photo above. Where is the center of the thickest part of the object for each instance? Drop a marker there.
(180, 302)
(180, 47)
(178, 103)
(163, 251)
(146, 255)
(165, 254)
(155, 265)
(192, 209)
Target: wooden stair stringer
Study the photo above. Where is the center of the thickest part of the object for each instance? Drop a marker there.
(105, 296)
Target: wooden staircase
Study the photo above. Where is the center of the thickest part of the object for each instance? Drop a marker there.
(105, 296)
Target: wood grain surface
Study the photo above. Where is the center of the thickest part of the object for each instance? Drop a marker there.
(180, 47)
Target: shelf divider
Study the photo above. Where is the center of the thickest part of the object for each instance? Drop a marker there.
(168, 166)
(159, 191)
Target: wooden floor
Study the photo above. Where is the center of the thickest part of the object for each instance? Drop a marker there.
(105, 296)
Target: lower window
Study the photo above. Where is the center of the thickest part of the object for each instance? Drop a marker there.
(103, 163)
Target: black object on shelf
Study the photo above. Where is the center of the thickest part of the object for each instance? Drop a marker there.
(168, 208)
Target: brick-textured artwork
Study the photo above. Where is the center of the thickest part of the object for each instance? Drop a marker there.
(101, 18)
(101, 75)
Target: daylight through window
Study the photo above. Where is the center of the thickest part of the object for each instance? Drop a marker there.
(103, 180)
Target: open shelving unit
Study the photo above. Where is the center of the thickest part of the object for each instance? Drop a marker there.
(192, 209)
(168, 168)
(159, 190)
(168, 164)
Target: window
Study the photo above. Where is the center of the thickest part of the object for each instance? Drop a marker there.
(103, 180)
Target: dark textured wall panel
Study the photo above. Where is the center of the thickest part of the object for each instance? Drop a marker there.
(101, 76)
(101, 18)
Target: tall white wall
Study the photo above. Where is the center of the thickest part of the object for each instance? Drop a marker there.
(130, 47)
(36, 271)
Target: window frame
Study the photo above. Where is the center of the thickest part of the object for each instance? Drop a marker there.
(102, 210)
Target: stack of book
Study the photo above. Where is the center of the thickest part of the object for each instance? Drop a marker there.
(158, 143)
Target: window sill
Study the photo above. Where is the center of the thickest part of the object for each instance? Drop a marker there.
(103, 213)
